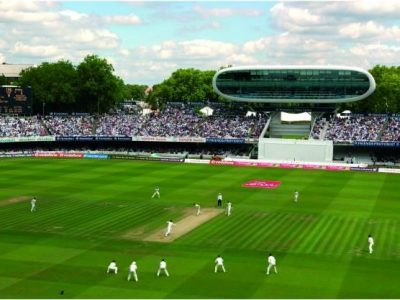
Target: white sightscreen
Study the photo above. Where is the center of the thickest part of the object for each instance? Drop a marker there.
(295, 150)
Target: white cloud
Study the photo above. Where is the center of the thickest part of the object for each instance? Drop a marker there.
(125, 52)
(225, 12)
(97, 38)
(130, 19)
(370, 29)
(40, 51)
(206, 48)
(73, 15)
(294, 18)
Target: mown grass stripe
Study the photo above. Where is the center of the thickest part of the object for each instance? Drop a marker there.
(283, 242)
(255, 235)
(310, 237)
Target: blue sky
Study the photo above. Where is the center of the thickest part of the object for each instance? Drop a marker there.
(146, 41)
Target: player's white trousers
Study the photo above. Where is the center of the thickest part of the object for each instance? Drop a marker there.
(216, 268)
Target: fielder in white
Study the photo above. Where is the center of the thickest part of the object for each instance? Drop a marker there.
(219, 262)
(169, 228)
(271, 264)
(163, 267)
(132, 271)
(112, 267)
(33, 204)
(228, 208)
(370, 244)
(197, 206)
(296, 196)
(156, 192)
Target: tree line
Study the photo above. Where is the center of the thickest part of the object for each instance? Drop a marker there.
(92, 87)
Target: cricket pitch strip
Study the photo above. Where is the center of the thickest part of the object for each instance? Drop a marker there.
(183, 226)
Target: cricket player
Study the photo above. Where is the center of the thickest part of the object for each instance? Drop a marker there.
(271, 263)
(163, 267)
(112, 267)
(219, 199)
(156, 192)
(296, 196)
(169, 227)
(219, 262)
(33, 204)
(228, 208)
(197, 206)
(132, 271)
(370, 243)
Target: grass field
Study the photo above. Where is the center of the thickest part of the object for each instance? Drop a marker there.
(84, 208)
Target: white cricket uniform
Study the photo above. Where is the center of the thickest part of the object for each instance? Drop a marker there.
(271, 263)
(33, 204)
(371, 244)
(156, 193)
(132, 271)
(169, 228)
(163, 267)
(219, 262)
(112, 267)
(198, 209)
(296, 196)
(229, 208)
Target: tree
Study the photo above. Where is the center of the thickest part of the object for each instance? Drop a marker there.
(99, 89)
(187, 85)
(386, 97)
(135, 92)
(53, 85)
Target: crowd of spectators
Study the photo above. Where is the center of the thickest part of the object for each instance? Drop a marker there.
(69, 125)
(119, 124)
(185, 121)
(317, 128)
(182, 121)
(11, 126)
(392, 131)
(353, 128)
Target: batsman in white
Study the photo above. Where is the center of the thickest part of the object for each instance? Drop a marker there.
(228, 208)
(370, 244)
(197, 206)
(33, 204)
(112, 267)
(156, 192)
(132, 271)
(296, 196)
(163, 267)
(271, 264)
(219, 262)
(169, 228)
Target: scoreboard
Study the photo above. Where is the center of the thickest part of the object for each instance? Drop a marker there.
(15, 100)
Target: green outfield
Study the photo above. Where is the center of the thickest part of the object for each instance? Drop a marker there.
(85, 208)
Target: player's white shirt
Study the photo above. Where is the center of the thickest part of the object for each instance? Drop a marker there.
(296, 194)
(163, 265)
(219, 197)
(133, 267)
(271, 260)
(370, 240)
(33, 201)
(197, 205)
(170, 224)
(229, 205)
(219, 261)
(112, 265)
